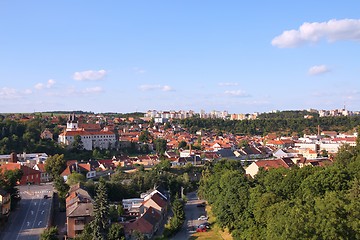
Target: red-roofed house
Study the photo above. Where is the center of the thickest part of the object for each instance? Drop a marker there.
(91, 138)
(254, 167)
(29, 175)
(147, 224)
(157, 202)
(44, 176)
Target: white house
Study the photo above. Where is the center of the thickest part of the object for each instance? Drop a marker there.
(102, 139)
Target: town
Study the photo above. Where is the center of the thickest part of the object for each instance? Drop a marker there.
(147, 163)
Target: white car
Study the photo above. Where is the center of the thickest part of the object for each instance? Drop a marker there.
(203, 218)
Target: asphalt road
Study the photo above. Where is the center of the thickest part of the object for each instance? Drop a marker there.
(30, 218)
(192, 212)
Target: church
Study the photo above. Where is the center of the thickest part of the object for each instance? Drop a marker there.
(92, 136)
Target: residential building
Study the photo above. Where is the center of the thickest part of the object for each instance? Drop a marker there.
(254, 167)
(30, 175)
(79, 210)
(5, 204)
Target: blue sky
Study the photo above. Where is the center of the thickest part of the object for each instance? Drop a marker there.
(126, 56)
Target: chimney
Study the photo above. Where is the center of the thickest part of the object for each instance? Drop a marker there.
(13, 157)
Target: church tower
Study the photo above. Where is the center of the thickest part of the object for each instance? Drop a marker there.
(72, 123)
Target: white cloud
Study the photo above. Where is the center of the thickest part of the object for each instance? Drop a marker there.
(39, 86)
(139, 70)
(8, 93)
(27, 91)
(165, 88)
(50, 83)
(228, 84)
(236, 93)
(93, 90)
(318, 69)
(89, 75)
(333, 30)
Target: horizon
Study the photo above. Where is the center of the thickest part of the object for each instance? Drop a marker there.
(128, 57)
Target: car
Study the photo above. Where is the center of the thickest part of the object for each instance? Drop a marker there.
(203, 204)
(203, 218)
(46, 196)
(204, 225)
(201, 229)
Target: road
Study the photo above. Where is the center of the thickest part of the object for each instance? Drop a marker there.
(30, 218)
(192, 212)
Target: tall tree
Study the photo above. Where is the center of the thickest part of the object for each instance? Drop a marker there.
(55, 165)
(116, 232)
(100, 224)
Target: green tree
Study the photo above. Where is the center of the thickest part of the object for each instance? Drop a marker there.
(77, 145)
(55, 165)
(160, 145)
(145, 137)
(75, 178)
(100, 223)
(182, 144)
(61, 187)
(49, 234)
(116, 232)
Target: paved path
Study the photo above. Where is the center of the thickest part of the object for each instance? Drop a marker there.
(192, 212)
(31, 217)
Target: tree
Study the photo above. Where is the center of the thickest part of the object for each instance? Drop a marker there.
(55, 165)
(61, 187)
(49, 234)
(74, 178)
(160, 145)
(116, 232)
(100, 223)
(182, 144)
(145, 137)
(77, 145)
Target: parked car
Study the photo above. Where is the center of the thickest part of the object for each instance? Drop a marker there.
(201, 229)
(203, 218)
(46, 196)
(204, 225)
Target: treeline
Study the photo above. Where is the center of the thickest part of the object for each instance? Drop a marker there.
(297, 203)
(18, 137)
(281, 125)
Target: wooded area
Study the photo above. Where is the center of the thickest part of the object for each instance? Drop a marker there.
(296, 203)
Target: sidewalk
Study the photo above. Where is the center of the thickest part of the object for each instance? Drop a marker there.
(59, 218)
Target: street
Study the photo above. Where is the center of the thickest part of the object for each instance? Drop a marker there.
(192, 213)
(31, 217)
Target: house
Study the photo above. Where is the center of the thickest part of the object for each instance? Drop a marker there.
(5, 204)
(147, 224)
(30, 175)
(88, 169)
(157, 201)
(46, 134)
(79, 210)
(285, 153)
(254, 167)
(44, 176)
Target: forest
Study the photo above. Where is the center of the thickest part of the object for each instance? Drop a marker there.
(286, 125)
(296, 203)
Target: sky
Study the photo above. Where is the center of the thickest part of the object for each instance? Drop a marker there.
(139, 55)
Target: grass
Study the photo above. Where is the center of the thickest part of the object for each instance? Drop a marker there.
(215, 232)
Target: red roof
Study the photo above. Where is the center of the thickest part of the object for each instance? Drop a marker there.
(277, 163)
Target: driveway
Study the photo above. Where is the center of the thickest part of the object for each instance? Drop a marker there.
(192, 212)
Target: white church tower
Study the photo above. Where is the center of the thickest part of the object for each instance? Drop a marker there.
(72, 123)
